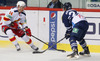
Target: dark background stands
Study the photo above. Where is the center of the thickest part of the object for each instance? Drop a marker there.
(10, 2)
(57, 4)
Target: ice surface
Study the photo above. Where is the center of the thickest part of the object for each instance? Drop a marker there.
(10, 54)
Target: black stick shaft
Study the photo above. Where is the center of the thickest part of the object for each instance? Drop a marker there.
(3, 36)
(53, 45)
(46, 43)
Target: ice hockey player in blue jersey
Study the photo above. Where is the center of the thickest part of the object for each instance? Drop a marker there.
(77, 27)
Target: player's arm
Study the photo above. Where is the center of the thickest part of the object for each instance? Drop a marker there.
(7, 18)
(68, 27)
(67, 24)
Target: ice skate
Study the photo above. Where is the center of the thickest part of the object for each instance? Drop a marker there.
(86, 52)
(73, 55)
(17, 47)
(34, 48)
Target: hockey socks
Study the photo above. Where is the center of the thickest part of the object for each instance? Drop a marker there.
(83, 43)
(85, 48)
(12, 38)
(73, 44)
(14, 41)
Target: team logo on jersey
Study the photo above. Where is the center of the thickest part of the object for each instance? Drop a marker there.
(75, 30)
(17, 20)
(53, 16)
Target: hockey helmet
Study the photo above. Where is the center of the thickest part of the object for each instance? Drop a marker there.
(21, 3)
(67, 5)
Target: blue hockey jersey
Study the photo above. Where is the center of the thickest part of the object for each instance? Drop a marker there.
(71, 17)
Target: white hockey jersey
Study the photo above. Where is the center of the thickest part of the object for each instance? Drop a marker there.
(14, 16)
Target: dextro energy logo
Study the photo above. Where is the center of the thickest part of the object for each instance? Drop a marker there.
(1, 16)
(53, 16)
(52, 27)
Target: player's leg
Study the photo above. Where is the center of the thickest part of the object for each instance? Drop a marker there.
(85, 48)
(82, 41)
(22, 34)
(73, 44)
(29, 42)
(11, 36)
(83, 44)
(75, 35)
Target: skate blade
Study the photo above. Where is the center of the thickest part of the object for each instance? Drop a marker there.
(86, 55)
(19, 49)
(75, 57)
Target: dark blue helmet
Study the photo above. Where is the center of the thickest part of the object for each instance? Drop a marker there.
(67, 5)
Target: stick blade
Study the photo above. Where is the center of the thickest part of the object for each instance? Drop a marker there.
(63, 51)
(34, 52)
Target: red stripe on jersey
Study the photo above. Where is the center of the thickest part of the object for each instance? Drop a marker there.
(6, 19)
(21, 23)
(29, 42)
(12, 39)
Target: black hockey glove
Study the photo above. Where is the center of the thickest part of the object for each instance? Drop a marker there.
(68, 32)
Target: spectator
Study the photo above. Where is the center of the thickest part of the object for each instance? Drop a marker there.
(55, 4)
(94, 0)
(2, 2)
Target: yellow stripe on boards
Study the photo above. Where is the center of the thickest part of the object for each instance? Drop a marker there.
(67, 47)
(62, 46)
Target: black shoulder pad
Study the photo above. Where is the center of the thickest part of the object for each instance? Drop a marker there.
(23, 13)
(15, 10)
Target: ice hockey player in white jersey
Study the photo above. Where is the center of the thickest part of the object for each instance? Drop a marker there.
(10, 26)
(77, 27)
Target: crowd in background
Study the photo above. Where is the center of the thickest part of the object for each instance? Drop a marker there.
(52, 4)
(55, 4)
(3, 3)
(10, 2)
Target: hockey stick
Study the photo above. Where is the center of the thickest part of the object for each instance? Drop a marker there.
(49, 47)
(3, 36)
(47, 44)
